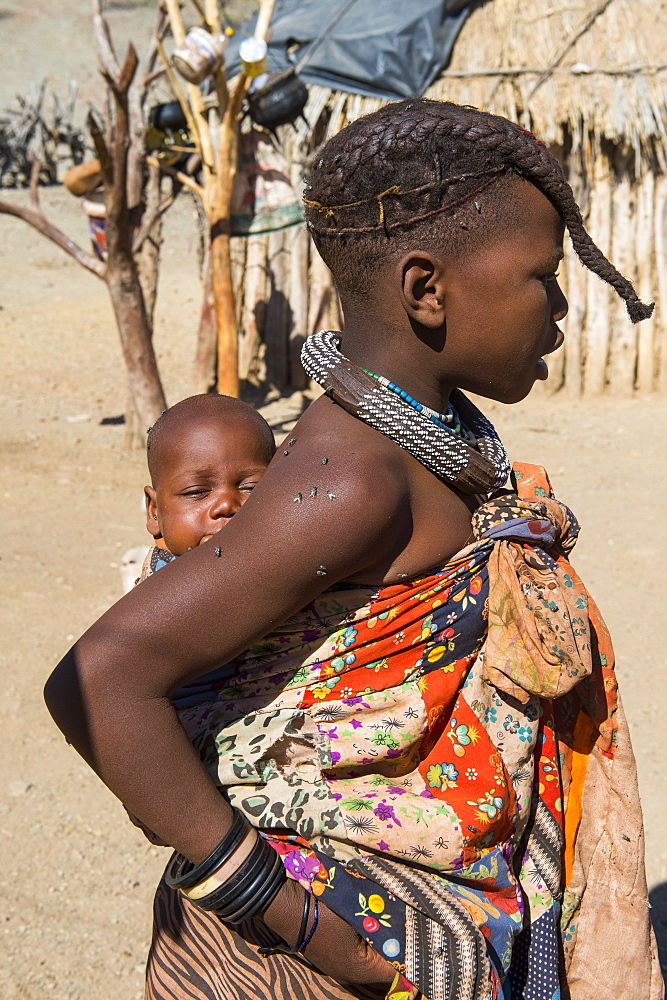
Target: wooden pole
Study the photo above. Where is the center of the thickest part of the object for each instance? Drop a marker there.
(298, 298)
(574, 323)
(661, 278)
(219, 220)
(278, 312)
(254, 306)
(598, 293)
(623, 340)
(644, 250)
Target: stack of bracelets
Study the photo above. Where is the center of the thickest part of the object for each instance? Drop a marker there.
(239, 880)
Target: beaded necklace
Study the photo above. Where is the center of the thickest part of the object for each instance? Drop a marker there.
(462, 448)
(448, 419)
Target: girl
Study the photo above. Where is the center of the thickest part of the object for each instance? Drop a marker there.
(433, 683)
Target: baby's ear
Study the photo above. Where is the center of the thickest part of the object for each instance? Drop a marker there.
(152, 523)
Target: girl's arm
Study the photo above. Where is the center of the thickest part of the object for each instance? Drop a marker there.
(110, 693)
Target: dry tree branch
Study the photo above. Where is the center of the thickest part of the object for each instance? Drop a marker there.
(34, 183)
(147, 225)
(38, 221)
(148, 70)
(193, 127)
(212, 20)
(104, 44)
(201, 134)
(186, 181)
(101, 148)
(571, 41)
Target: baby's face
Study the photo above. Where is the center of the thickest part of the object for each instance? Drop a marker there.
(206, 474)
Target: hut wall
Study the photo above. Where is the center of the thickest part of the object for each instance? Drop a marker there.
(285, 291)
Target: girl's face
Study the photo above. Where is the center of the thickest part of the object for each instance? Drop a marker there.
(503, 303)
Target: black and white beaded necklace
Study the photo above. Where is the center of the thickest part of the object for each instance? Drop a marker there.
(473, 459)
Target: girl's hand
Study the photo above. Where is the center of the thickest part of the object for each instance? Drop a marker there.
(335, 948)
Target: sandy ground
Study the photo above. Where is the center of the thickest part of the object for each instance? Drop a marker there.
(77, 879)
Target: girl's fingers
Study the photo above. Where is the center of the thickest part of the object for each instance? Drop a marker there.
(335, 948)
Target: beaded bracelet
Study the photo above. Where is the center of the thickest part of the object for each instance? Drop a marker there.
(313, 927)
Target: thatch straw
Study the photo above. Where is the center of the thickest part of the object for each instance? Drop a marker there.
(611, 82)
(589, 78)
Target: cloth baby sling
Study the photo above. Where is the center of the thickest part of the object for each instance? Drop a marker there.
(446, 764)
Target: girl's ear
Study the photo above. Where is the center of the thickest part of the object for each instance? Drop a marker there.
(152, 523)
(423, 289)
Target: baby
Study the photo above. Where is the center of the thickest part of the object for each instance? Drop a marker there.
(206, 454)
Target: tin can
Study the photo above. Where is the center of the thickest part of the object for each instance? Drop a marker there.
(253, 53)
(200, 55)
(95, 209)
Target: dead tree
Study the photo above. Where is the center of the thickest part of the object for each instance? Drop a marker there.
(134, 209)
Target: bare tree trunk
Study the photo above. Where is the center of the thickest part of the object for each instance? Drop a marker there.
(206, 350)
(122, 275)
(148, 256)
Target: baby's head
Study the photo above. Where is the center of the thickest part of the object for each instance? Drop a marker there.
(205, 456)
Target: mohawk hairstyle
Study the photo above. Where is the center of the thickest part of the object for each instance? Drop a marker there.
(395, 171)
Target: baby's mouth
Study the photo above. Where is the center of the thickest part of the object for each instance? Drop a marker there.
(224, 521)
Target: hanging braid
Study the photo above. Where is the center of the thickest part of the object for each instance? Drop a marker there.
(412, 162)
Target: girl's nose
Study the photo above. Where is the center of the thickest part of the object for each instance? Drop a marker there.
(559, 304)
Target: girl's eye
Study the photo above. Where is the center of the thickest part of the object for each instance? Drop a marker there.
(248, 487)
(549, 277)
(199, 492)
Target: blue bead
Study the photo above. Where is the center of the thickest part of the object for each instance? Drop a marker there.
(403, 393)
(391, 386)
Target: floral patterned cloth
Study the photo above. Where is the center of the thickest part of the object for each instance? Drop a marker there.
(409, 751)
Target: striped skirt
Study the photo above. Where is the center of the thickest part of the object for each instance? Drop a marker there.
(194, 956)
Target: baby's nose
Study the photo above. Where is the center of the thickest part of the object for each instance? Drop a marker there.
(225, 504)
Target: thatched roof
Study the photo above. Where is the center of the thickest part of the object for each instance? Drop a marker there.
(570, 70)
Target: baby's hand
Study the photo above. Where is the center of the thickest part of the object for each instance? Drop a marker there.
(335, 948)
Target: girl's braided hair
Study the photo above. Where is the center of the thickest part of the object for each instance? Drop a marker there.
(405, 165)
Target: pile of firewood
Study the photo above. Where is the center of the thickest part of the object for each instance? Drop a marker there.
(39, 126)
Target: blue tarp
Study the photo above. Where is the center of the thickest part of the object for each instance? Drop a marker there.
(379, 48)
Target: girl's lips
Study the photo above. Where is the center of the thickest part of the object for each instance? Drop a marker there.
(558, 340)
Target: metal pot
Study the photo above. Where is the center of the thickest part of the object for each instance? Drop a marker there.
(280, 101)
